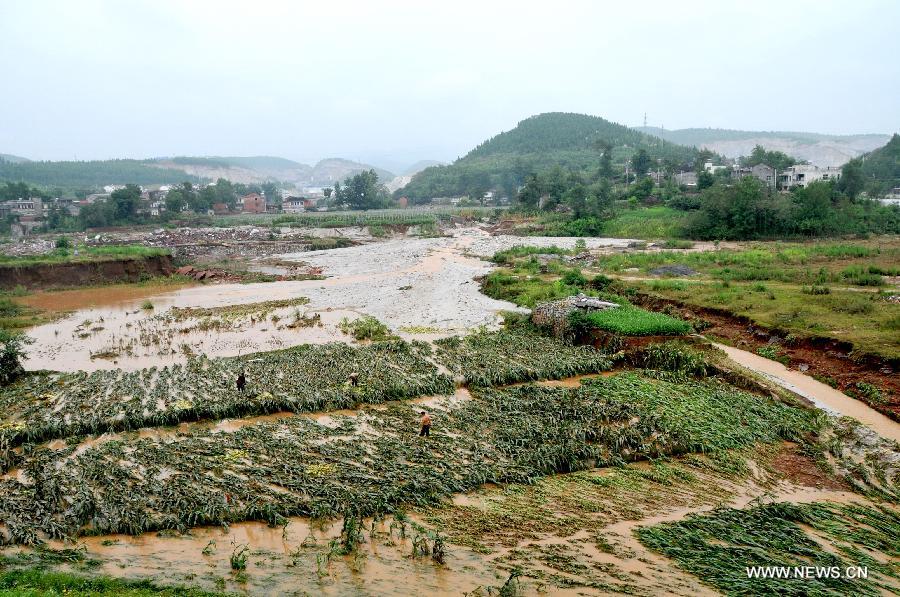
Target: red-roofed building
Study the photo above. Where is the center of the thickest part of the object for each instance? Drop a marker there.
(254, 203)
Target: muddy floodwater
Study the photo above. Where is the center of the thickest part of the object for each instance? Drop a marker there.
(422, 288)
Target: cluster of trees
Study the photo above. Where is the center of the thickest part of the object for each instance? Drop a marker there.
(723, 209)
(123, 207)
(878, 171)
(776, 159)
(747, 209)
(12, 191)
(199, 200)
(360, 191)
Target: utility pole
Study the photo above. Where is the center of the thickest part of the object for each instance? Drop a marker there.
(645, 120)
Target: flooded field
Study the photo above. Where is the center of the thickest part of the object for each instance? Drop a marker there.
(420, 288)
(547, 464)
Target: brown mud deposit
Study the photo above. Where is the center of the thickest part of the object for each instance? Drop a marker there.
(85, 273)
(292, 560)
(826, 358)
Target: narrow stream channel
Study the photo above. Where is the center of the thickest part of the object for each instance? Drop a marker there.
(823, 396)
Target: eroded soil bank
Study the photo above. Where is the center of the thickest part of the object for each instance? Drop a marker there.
(830, 361)
(55, 275)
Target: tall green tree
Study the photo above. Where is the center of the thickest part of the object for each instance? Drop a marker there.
(641, 162)
(124, 203)
(362, 191)
(852, 180)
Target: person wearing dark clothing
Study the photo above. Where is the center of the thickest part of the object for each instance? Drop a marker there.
(354, 379)
(241, 382)
(425, 423)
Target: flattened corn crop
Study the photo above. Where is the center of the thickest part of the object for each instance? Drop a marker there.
(301, 379)
(374, 462)
(719, 547)
(504, 357)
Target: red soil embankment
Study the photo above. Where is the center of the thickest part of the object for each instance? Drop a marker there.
(832, 361)
(84, 273)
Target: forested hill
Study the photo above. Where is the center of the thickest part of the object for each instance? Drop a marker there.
(537, 144)
(881, 168)
(86, 175)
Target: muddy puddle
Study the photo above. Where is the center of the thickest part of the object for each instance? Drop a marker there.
(292, 560)
(421, 288)
(821, 395)
(96, 296)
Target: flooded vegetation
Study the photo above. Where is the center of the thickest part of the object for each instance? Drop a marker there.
(550, 466)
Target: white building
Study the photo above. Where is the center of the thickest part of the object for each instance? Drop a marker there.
(892, 197)
(712, 168)
(802, 174)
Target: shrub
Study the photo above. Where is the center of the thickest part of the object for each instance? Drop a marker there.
(574, 277)
(11, 355)
(674, 356)
(859, 276)
(366, 328)
(63, 243)
(853, 305)
(675, 243)
(815, 290)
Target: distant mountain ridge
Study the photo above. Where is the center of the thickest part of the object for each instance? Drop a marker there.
(537, 144)
(170, 170)
(15, 159)
(819, 149)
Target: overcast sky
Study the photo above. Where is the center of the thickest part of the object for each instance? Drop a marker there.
(392, 82)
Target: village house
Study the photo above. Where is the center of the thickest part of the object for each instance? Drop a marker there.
(293, 205)
(253, 203)
(761, 172)
(32, 207)
(802, 175)
(687, 179)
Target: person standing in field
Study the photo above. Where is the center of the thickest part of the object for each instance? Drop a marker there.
(425, 423)
(241, 382)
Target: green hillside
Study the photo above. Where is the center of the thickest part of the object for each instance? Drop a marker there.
(881, 168)
(8, 157)
(90, 174)
(538, 144)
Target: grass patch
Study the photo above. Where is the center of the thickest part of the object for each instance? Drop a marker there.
(628, 320)
(646, 223)
(85, 254)
(40, 583)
